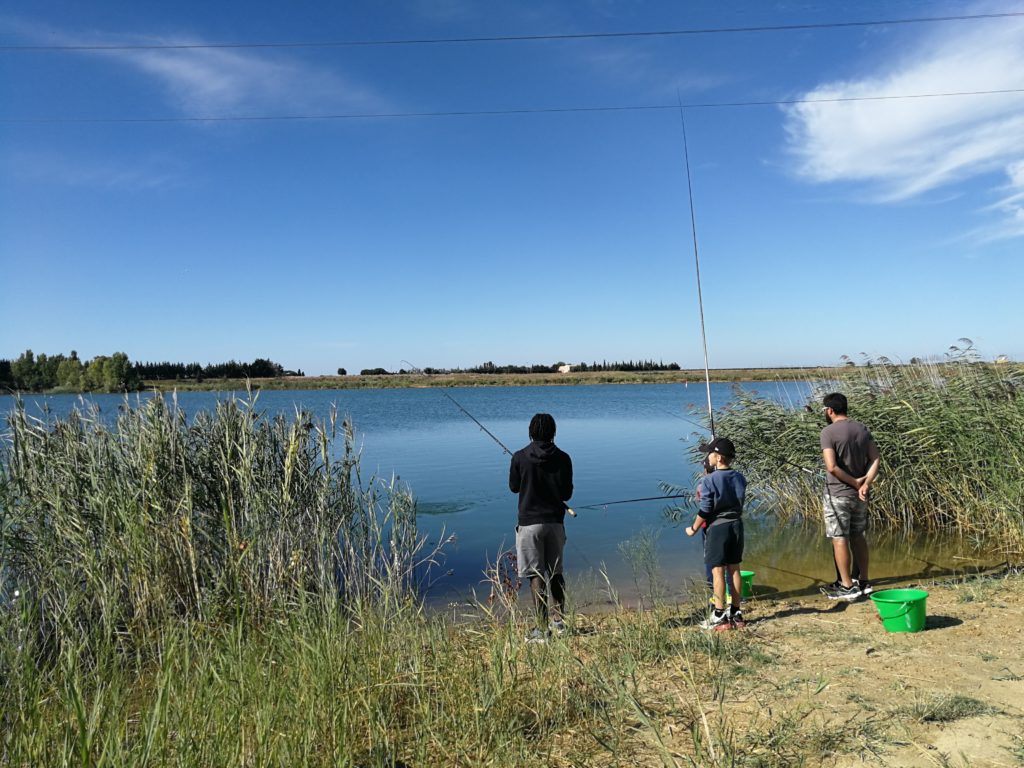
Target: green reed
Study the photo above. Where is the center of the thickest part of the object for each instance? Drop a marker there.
(122, 528)
(949, 434)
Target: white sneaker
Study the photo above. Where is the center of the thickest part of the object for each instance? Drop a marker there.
(536, 636)
(716, 622)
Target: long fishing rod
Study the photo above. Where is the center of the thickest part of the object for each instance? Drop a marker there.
(696, 261)
(703, 332)
(476, 421)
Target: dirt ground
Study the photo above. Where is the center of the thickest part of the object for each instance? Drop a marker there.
(951, 695)
(813, 682)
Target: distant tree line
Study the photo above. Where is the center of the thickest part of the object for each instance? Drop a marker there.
(259, 368)
(116, 373)
(32, 373)
(489, 367)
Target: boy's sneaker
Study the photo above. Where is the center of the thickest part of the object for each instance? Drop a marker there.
(865, 587)
(716, 621)
(536, 636)
(736, 618)
(558, 626)
(849, 593)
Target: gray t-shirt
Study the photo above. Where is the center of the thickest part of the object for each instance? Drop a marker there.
(855, 451)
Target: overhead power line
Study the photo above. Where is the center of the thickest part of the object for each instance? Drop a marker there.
(494, 112)
(511, 38)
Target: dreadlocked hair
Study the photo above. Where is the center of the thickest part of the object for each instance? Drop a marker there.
(542, 427)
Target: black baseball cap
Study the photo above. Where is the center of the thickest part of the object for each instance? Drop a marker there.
(721, 445)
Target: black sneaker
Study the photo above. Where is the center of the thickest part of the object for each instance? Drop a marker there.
(849, 593)
(865, 587)
(736, 618)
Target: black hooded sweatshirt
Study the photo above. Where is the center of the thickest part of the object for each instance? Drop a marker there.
(541, 473)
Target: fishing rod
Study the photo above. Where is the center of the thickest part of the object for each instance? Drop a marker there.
(696, 261)
(476, 421)
(459, 406)
(631, 501)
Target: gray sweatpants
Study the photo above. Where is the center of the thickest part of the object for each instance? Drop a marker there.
(539, 549)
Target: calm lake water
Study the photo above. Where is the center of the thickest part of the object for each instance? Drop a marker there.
(624, 440)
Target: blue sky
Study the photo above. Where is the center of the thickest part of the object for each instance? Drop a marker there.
(825, 229)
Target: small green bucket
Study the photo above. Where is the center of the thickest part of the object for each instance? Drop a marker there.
(748, 583)
(747, 577)
(901, 610)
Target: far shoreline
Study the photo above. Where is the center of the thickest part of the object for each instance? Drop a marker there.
(422, 381)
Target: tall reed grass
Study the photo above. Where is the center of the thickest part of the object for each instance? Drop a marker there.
(949, 433)
(118, 529)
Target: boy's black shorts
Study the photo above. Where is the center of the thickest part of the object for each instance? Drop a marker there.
(724, 544)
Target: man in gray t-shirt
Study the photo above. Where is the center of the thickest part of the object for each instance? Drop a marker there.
(851, 461)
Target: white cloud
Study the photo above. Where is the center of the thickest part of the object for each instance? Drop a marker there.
(216, 81)
(220, 81)
(903, 148)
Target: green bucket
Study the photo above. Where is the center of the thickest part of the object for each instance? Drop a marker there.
(747, 577)
(901, 610)
(748, 583)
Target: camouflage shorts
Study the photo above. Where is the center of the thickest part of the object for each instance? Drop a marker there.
(844, 516)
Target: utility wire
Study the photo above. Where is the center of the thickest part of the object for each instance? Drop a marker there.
(496, 112)
(514, 38)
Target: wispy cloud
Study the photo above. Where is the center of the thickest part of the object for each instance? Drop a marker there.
(142, 173)
(643, 68)
(218, 81)
(904, 148)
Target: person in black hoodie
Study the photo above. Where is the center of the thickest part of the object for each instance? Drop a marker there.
(541, 473)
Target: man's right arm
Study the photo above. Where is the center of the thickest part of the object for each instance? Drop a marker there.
(876, 460)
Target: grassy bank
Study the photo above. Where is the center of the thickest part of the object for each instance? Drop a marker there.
(805, 684)
(405, 381)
